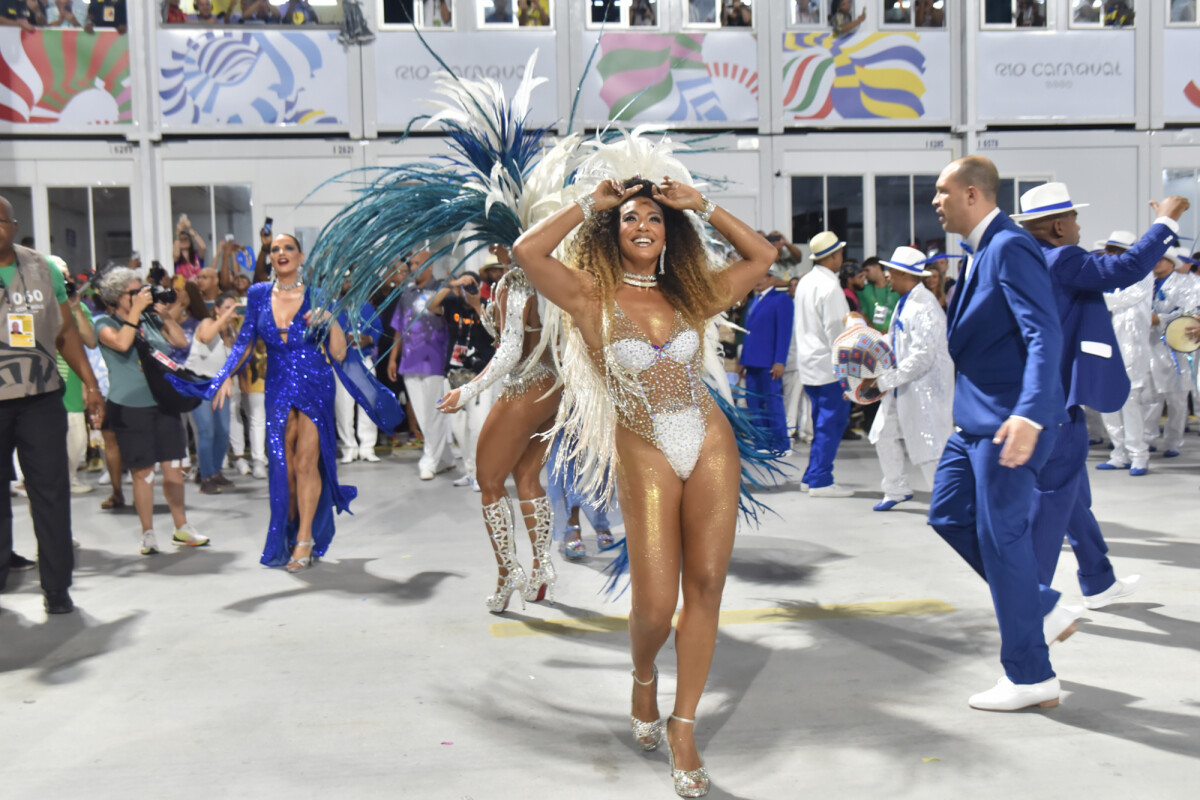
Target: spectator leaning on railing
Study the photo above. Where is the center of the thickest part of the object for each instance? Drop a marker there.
(106, 14)
(16, 14)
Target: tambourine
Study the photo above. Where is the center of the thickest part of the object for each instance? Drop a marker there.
(1182, 334)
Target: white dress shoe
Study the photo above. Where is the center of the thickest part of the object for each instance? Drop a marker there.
(1009, 696)
(475, 485)
(832, 490)
(259, 470)
(1122, 587)
(1060, 623)
(368, 456)
(463, 480)
(241, 465)
(349, 456)
(426, 474)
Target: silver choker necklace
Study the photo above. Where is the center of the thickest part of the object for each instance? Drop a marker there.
(640, 281)
(287, 287)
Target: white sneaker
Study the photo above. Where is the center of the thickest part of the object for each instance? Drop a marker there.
(259, 470)
(475, 485)
(149, 543)
(241, 465)
(426, 474)
(1060, 623)
(368, 456)
(349, 456)
(187, 536)
(1122, 587)
(1009, 696)
(832, 490)
(465, 480)
(79, 487)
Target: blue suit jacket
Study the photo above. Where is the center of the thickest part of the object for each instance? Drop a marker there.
(1004, 335)
(1093, 373)
(769, 330)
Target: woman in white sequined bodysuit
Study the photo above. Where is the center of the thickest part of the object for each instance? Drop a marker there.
(638, 299)
(508, 443)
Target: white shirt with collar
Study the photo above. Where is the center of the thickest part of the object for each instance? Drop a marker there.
(975, 237)
(821, 310)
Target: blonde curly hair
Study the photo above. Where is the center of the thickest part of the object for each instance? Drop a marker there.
(689, 283)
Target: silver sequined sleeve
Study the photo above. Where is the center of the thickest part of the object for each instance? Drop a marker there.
(926, 328)
(512, 341)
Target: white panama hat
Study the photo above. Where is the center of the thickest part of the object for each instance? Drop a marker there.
(825, 243)
(1121, 239)
(909, 260)
(1046, 200)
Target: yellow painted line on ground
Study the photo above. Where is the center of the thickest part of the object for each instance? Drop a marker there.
(746, 616)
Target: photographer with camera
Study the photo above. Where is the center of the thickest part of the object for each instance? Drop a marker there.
(33, 421)
(146, 434)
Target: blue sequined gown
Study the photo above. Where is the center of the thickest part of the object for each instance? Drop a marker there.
(300, 376)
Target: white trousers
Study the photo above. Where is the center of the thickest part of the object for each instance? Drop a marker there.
(77, 442)
(424, 392)
(1127, 429)
(256, 413)
(1172, 434)
(237, 431)
(344, 409)
(891, 453)
(467, 424)
(796, 405)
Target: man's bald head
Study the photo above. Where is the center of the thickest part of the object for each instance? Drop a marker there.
(979, 172)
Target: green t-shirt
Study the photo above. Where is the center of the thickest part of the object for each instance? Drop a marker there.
(877, 305)
(126, 384)
(72, 384)
(8, 274)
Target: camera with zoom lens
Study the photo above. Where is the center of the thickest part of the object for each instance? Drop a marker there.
(163, 294)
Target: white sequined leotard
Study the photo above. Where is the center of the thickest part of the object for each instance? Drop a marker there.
(670, 405)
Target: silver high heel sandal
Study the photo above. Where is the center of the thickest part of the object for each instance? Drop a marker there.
(300, 564)
(647, 734)
(499, 519)
(688, 782)
(540, 585)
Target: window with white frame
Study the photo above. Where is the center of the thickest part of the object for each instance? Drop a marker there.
(496, 14)
(1185, 183)
(807, 13)
(1181, 12)
(829, 203)
(90, 227)
(288, 12)
(1102, 13)
(1018, 14)
(215, 213)
(718, 13)
(425, 14)
(913, 13)
(624, 13)
(904, 214)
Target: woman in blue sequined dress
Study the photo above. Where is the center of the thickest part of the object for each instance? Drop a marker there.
(301, 435)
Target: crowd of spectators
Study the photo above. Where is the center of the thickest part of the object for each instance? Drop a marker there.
(29, 15)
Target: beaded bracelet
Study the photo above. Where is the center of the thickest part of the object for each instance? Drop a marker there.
(587, 204)
(709, 208)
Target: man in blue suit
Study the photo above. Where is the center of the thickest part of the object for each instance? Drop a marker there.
(1006, 343)
(1092, 373)
(764, 355)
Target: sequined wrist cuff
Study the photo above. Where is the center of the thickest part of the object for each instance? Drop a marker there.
(709, 208)
(587, 204)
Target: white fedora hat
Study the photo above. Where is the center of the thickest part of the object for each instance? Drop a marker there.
(825, 243)
(909, 260)
(1121, 239)
(1046, 200)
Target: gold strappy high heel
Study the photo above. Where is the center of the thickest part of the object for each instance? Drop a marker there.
(688, 782)
(646, 734)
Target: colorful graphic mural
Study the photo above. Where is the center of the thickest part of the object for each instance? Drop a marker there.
(66, 78)
(872, 76)
(262, 78)
(676, 77)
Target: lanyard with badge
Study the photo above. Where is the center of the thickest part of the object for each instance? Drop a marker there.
(20, 327)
